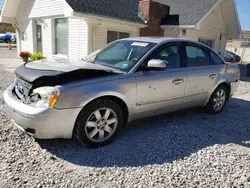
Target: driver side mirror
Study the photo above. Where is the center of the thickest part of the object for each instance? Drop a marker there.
(156, 65)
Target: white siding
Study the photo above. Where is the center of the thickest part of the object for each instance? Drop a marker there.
(214, 21)
(204, 34)
(45, 8)
(91, 37)
(211, 28)
(101, 29)
(27, 42)
(171, 33)
(230, 17)
(24, 9)
(25, 25)
(78, 38)
(47, 43)
(195, 35)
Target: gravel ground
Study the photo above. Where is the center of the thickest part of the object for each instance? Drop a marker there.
(183, 149)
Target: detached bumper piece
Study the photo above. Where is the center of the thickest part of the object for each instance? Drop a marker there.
(28, 131)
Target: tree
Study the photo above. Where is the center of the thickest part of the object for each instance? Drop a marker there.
(5, 27)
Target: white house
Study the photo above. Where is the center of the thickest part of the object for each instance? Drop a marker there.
(75, 28)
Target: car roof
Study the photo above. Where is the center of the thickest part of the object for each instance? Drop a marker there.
(161, 40)
(151, 39)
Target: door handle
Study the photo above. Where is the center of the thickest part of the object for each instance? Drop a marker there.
(178, 81)
(212, 76)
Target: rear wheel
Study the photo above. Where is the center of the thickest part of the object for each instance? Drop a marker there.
(98, 123)
(218, 100)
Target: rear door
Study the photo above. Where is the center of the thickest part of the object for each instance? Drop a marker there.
(202, 75)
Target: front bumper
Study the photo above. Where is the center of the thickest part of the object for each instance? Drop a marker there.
(42, 123)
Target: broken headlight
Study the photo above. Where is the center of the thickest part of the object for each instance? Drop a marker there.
(48, 96)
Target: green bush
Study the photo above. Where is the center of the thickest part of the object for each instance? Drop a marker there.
(37, 56)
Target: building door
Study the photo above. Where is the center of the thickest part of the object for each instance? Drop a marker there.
(38, 37)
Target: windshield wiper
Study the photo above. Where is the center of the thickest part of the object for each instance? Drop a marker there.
(88, 61)
(115, 72)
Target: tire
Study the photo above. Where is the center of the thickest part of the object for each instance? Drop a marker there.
(216, 99)
(98, 129)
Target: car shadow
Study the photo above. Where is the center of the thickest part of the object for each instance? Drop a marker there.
(162, 139)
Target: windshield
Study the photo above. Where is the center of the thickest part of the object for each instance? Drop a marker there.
(122, 55)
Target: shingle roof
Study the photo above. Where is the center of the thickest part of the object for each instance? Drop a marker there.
(126, 10)
(187, 12)
(182, 12)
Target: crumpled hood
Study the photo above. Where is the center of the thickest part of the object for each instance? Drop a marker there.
(51, 72)
(64, 65)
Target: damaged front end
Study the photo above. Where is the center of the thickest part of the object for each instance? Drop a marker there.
(43, 97)
(41, 88)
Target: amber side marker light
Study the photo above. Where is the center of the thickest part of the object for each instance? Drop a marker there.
(54, 98)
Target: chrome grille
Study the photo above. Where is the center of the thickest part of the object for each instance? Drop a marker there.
(22, 88)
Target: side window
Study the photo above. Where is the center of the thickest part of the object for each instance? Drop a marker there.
(215, 59)
(171, 55)
(196, 56)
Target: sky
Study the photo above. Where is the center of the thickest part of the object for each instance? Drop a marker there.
(1, 4)
(243, 7)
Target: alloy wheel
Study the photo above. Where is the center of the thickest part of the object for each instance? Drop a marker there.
(219, 100)
(101, 125)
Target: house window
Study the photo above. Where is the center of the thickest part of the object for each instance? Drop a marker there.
(114, 35)
(61, 36)
(209, 43)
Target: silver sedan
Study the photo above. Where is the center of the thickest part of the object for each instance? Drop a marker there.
(128, 80)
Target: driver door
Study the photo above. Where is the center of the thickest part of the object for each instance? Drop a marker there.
(159, 92)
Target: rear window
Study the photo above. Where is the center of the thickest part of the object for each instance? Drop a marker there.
(215, 59)
(196, 56)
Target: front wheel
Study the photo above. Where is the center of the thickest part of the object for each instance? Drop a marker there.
(217, 100)
(98, 123)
